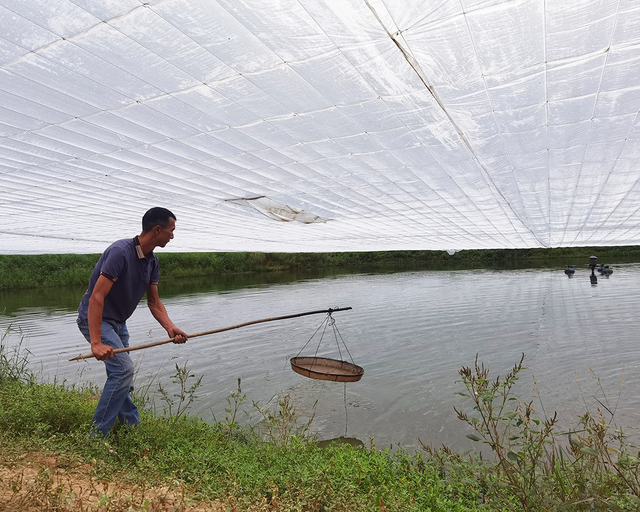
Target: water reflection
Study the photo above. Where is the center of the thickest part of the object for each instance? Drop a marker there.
(51, 300)
(67, 298)
(411, 331)
(60, 299)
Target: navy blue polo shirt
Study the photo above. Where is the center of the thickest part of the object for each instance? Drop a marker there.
(131, 273)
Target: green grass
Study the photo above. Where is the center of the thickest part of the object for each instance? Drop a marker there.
(281, 467)
(535, 466)
(55, 270)
(212, 464)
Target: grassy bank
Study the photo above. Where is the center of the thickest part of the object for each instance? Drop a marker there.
(49, 270)
(215, 462)
(279, 468)
(176, 462)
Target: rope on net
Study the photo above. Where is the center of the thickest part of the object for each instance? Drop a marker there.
(328, 321)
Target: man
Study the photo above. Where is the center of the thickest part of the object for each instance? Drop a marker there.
(124, 273)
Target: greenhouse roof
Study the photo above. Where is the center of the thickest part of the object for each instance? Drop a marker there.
(320, 125)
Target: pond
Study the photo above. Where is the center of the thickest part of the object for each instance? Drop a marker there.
(411, 331)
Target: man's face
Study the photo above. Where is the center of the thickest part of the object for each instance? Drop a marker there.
(166, 234)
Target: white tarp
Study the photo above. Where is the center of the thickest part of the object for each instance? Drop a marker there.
(447, 124)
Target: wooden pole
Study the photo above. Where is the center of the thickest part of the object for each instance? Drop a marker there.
(89, 355)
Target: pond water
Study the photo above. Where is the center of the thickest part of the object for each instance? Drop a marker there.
(411, 331)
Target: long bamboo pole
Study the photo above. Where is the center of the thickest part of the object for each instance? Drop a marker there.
(89, 355)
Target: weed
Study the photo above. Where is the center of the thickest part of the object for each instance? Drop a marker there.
(282, 424)
(538, 467)
(234, 400)
(178, 403)
(14, 361)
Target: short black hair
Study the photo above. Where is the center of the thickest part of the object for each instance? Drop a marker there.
(156, 216)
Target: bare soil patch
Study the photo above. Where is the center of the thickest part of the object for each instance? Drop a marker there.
(34, 482)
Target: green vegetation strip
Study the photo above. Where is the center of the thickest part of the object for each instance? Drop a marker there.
(48, 270)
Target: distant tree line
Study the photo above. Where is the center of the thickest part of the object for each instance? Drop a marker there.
(29, 271)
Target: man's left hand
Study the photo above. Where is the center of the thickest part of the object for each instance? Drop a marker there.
(178, 334)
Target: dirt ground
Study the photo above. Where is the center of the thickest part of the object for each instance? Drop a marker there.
(37, 482)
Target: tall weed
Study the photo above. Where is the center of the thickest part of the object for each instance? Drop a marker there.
(536, 465)
(178, 403)
(14, 361)
(279, 425)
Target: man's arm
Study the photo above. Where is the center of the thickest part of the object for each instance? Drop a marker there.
(159, 312)
(94, 317)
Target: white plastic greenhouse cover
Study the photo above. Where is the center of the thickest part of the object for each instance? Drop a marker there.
(395, 124)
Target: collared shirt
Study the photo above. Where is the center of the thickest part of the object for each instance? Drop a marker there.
(124, 263)
(139, 252)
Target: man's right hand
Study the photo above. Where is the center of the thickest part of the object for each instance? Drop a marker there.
(101, 351)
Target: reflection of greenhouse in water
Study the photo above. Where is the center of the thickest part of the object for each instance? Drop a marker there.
(320, 126)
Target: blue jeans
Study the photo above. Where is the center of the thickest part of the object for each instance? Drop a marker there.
(115, 401)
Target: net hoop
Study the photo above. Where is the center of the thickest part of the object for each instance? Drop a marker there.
(323, 368)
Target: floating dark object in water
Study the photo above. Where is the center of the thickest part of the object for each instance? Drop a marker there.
(605, 270)
(323, 368)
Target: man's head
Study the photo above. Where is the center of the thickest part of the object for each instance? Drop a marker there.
(156, 216)
(158, 225)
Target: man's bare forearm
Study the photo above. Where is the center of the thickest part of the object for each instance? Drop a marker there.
(94, 318)
(159, 312)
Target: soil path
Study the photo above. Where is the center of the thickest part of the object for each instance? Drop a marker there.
(34, 482)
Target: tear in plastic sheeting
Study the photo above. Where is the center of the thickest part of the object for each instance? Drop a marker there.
(278, 211)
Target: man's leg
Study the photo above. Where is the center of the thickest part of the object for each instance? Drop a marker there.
(128, 413)
(115, 401)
